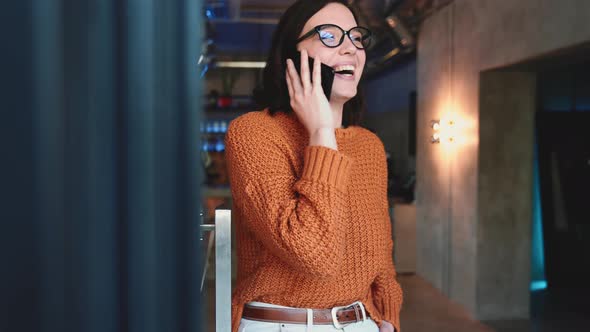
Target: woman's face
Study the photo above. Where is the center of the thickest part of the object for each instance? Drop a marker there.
(346, 54)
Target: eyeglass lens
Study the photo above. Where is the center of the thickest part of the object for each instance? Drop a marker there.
(332, 36)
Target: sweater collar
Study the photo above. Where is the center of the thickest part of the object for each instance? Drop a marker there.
(341, 133)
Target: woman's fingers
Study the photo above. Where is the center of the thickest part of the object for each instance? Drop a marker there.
(288, 79)
(386, 327)
(305, 76)
(317, 72)
(294, 78)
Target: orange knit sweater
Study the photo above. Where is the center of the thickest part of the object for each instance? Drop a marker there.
(312, 223)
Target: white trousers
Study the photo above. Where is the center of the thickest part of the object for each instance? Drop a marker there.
(247, 325)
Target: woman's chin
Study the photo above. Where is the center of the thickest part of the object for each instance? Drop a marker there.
(342, 96)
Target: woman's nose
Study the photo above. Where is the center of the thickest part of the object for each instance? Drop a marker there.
(347, 46)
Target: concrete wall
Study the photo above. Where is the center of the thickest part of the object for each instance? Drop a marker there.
(404, 237)
(505, 184)
(457, 196)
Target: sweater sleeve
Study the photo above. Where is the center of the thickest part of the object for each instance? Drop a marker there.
(301, 219)
(387, 293)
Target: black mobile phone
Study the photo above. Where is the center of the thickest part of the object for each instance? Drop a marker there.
(327, 73)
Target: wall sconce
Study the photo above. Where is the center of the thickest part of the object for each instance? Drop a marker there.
(435, 137)
(442, 131)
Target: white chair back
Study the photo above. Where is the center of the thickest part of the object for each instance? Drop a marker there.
(221, 236)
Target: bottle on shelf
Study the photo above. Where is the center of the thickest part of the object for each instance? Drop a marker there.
(219, 145)
(216, 127)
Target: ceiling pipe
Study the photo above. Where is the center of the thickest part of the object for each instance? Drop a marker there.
(393, 41)
(234, 9)
(373, 11)
(406, 38)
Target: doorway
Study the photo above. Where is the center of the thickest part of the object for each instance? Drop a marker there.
(563, 143)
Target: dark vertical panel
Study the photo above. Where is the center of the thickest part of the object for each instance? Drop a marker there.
(101, 245)
(19, 275)
(107, 124)
(141, 199)
(49, 123)
(122, 230)
(166, 165)
(162, 191)
(191, 34)
(75, 73)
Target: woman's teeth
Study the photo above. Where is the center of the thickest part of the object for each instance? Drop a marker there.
(344, 70)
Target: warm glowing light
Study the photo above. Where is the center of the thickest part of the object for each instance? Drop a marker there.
(444, 130)
(447, 130)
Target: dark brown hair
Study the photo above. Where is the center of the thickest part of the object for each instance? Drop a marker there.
(273, 92)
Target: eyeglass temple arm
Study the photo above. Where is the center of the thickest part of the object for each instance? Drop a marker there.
(307, 35)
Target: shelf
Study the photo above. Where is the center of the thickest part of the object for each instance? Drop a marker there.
(226, 113)
(204, 134)
(223, 192)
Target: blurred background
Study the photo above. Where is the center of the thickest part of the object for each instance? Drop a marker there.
(114, 115)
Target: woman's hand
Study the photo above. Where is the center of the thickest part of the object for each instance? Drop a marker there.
(386, 327)
(310, 103)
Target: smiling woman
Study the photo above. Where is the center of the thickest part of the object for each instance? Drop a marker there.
(296, 24)
(310, 188)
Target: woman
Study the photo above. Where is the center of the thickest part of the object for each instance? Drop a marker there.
(310, 203)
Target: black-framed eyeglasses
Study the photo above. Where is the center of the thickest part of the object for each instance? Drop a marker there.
(332, 35)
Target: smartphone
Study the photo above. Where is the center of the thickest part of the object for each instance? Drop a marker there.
(327, 73)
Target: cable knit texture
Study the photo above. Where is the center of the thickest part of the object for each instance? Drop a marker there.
(312, 223)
